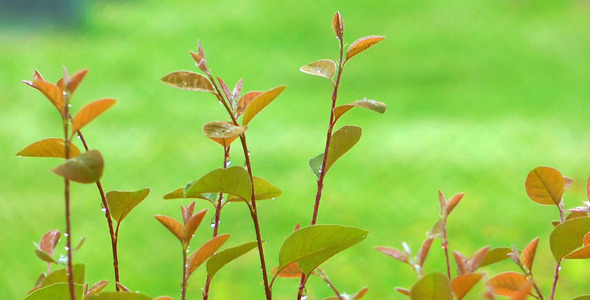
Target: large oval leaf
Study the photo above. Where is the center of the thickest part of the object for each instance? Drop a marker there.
(323, 68)
(260, 102)
(373, 105)
(207, 250)
(233, 180)
(51, 147)
(462, 284)
(222, 258)
(90, 112)
(57, 291)
(545, 185)
(84, 168)
(312, 245)
(434, 286)
(61, 275)
(362, 44)
(262, 190)
(121, 203)
(223, 133)
(568, 236)
(188, 81)
(507, 283)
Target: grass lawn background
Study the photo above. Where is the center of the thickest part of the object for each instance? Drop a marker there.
(478, 94)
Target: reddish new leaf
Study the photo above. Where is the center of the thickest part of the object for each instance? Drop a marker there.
(260, 102)
(545, 185)
(338, 25)
(452, 203)
(75, 80)
(463, 283)
(245, 100)
(51, 147)
(90, 112)
(49, 242)
(207, 250)
(403, 291)
(174, 226)
(362, 44)
(477, 258)
(397, 254)
(508, 283)
(187, 212)
(528, 254)
(192, 224)
(424, 251)
(361, 293)
(461, 261)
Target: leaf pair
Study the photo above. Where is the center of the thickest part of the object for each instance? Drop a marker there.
(183, 233)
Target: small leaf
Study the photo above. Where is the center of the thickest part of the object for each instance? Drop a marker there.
(97, 287)
(75, 80)
(260, 102)
(189, 81)
(52, 92)
(342, 140)
(51, 147)
(462, 284)
(238, 90)
(434, 286)
(263, 190)
(461, 261)
(245, 101)
(362, 44)
(403, 291)
(49, 242)
(57, 291)
(45, 256)
(528, 254)
(507, 283)
(228, 94)
(338, 25)
(424, 251)
(568, 236)
(90, 112)
(174, 226)
(545, 185)
(452, 203)
(361, 293)
(582, 253)
(312, 245)
(495, 255)
(221, 258)
(223, 133)
(373, 105)
(121, 203)
(316, 165)
(118, 296)
(436, 230)
(233, 180)
(187, 212)
(442, 201)
(395, 253)
(477, 258)
(323, 68)
(192, 224)
(84, 168)
(62, 276)
(206, 251)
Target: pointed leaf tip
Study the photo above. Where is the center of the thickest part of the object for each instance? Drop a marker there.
(260, 102)
(338, 25)
(324, 68)
(362, 44)
(84, 168)
(90, 112)
(121, 203)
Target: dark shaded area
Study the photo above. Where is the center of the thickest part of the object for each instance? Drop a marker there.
(31, 12)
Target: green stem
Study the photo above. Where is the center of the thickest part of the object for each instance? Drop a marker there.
(70, 269)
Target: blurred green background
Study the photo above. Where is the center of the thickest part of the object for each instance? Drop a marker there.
(478, 92)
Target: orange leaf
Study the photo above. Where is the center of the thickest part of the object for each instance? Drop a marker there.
(245, 100)
(75, 80)
(90, 112)
(461, 261)
(362, 44)
(260, 102)
(582, 253)
(361, 293)
(223, 133)
(523, 292)
(192, 224)
(508, 283)
(545, 185)
(528, 254)
(338, 25)
(452, 203)
(206, 251)
(477, 258)
(403, 291)
(397, 254)
(52, 92)
(424, 251)
(51, 147)
(587, 239)
(462, 284)
(292, 270)
(174, 226)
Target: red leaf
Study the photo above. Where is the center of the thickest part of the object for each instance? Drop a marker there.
(338, 25)
(397, 254)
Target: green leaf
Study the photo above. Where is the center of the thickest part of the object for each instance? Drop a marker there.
(436, 230)
(233, 180)
(362, 44)
(373, 105)
(84, 168)
(90, 112)
(121, 203)
(62, 276)
(262, 189)
(118, 296)
(341, 141)
(44, 256)
(583, 297)
(312, 245)
(188, 81)
(179, 194)
(222, 258)
(545, 185)
(434, 286)
(57, 291)
(324, 68)
(223, 133)
(51, 147)
(207, 250)
(568, 236)
(260, 102)
(495, 255)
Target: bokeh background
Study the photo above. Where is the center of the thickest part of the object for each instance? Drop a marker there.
(478, 92)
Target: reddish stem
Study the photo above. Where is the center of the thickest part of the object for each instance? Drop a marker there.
(555, 278)
(184, 272)
(445, 246)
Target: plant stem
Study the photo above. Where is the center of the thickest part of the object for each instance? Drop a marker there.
(327, 280)
(184, 272)
(445, 246)
(301, 287)
(70, 269)
(107, 214)
(555, 277)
